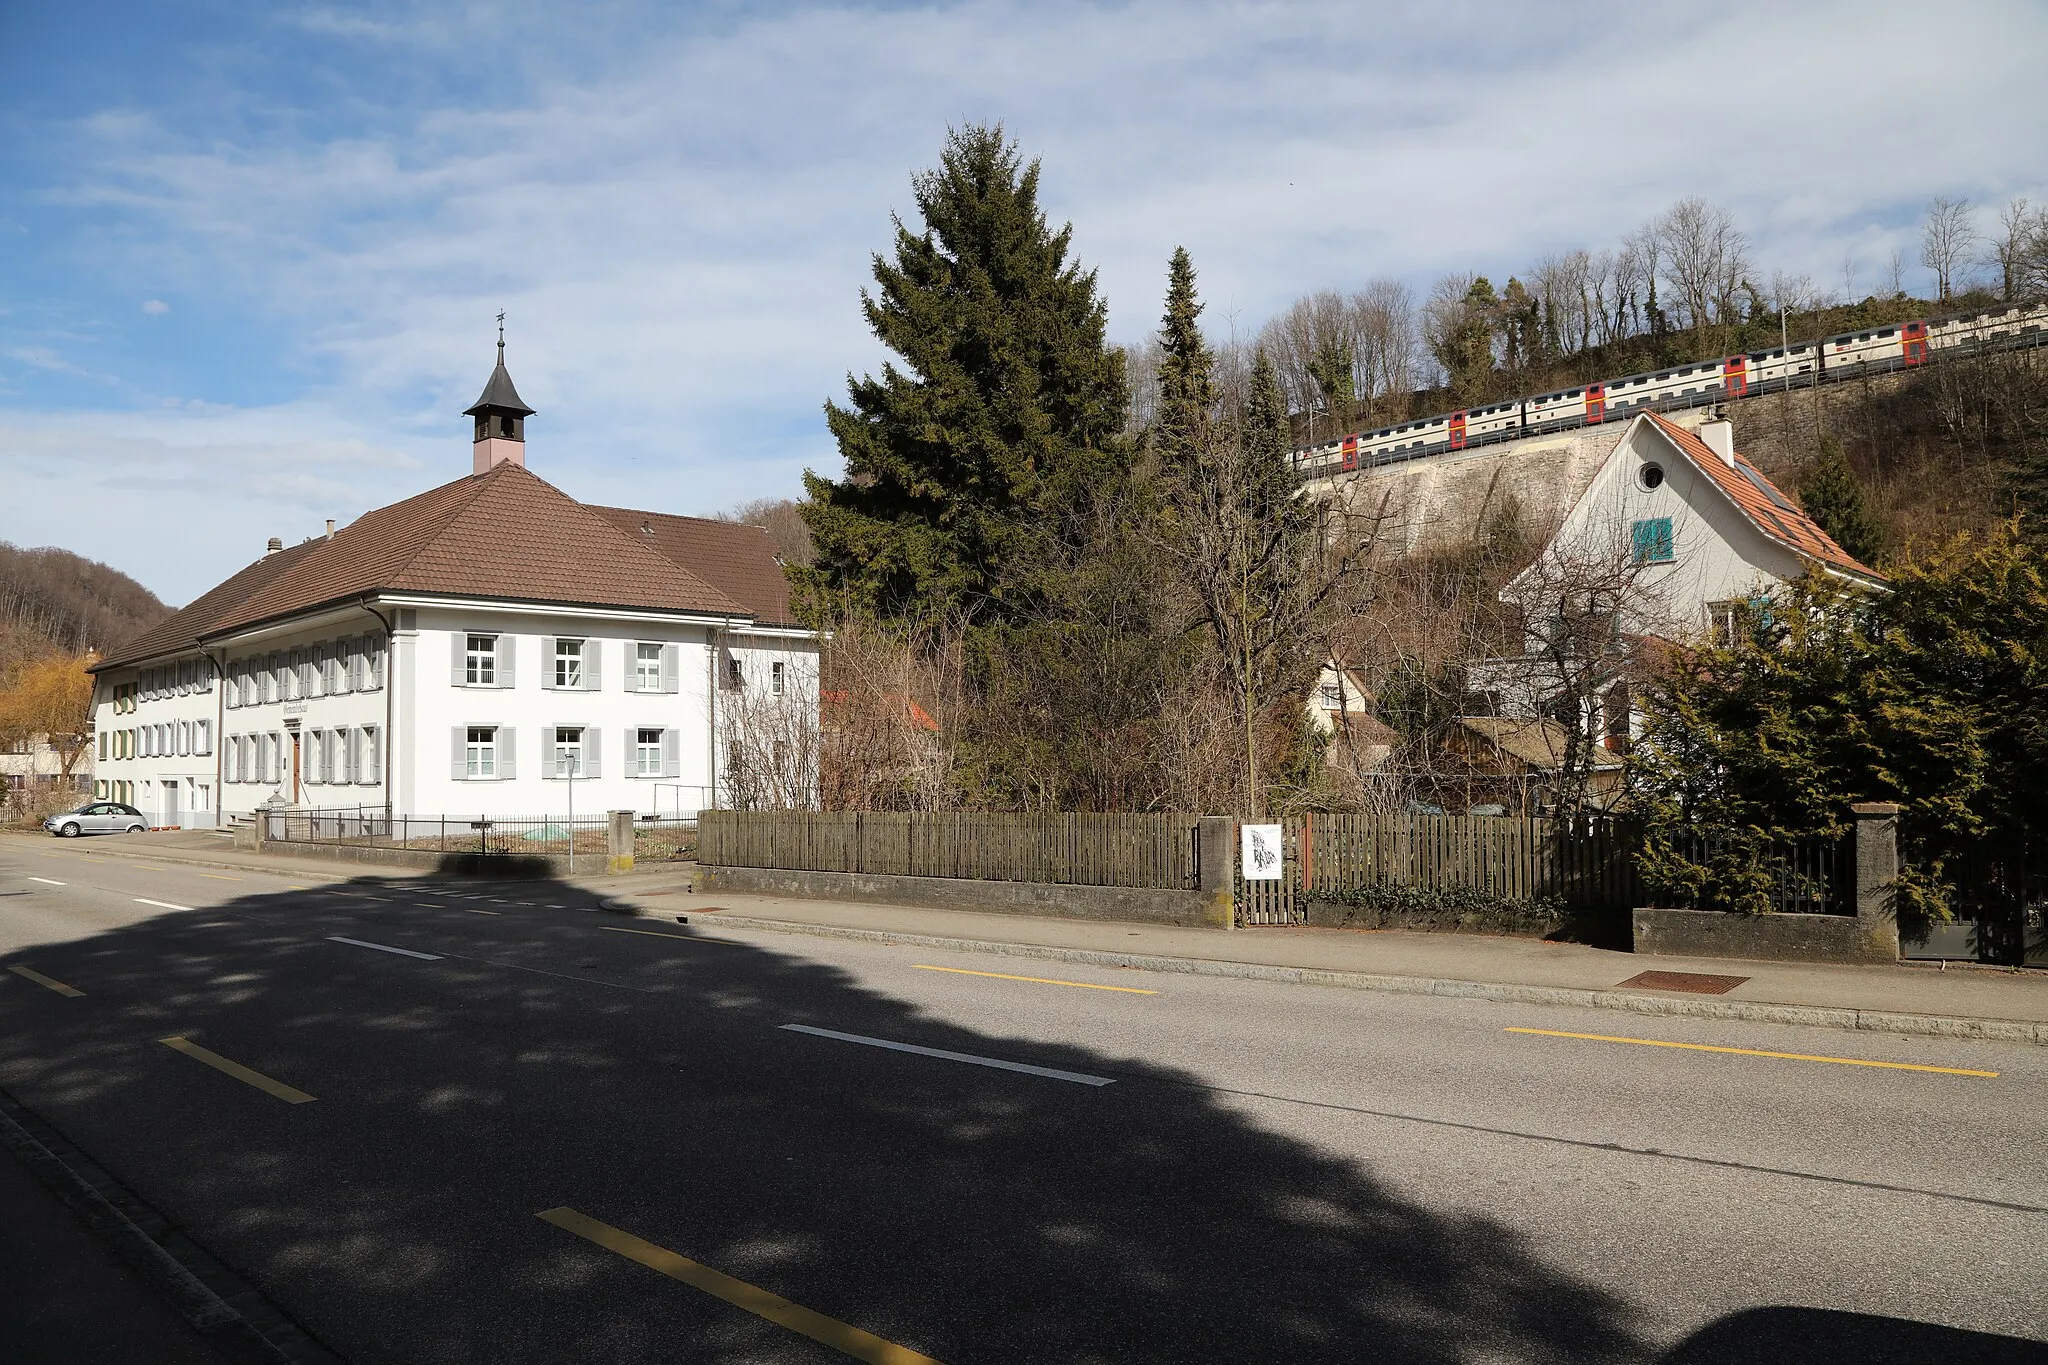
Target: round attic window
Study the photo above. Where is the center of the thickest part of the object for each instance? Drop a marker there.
(1651, 475)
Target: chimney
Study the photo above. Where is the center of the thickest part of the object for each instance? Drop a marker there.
(330, 528)
(273, 547)
(1719, 435)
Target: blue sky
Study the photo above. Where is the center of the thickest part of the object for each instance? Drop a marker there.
(250, 253)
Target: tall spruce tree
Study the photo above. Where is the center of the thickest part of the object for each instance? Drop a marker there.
(1007, 407)
(1263, 566)
(1833, 497)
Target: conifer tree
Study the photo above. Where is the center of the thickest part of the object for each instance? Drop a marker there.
(1006, 405)
(1833, 496)
(1262, 566)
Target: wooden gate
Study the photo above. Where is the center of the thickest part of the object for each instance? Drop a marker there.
(1270, 902)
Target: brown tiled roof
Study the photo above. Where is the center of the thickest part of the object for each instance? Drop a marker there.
(1759, 500)
(1539, 744)
(182, 628)
(738, 558)
(503, 534)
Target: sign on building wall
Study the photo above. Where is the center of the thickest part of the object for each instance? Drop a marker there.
(1261, 857)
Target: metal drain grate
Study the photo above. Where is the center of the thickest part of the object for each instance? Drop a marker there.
(1696, 983)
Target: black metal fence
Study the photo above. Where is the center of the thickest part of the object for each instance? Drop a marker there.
(1807, 876)
(655, 838)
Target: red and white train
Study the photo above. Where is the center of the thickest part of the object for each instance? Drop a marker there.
(1894, 346)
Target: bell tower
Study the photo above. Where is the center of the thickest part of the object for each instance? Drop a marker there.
(500, 417)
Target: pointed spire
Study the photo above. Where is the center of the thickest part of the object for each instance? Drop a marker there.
(499, 397)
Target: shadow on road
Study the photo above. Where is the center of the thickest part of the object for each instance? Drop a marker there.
(976, 1215)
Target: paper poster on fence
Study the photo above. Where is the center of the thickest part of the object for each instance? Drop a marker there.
(1261, 858)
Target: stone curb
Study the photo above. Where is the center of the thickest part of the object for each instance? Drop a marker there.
(96, 1199)
(1818, 1016)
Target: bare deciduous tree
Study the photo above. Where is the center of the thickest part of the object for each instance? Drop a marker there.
(1945, 241)
(2019, 251)
(1705, 256)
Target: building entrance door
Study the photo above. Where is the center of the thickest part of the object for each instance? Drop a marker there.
(170, 786)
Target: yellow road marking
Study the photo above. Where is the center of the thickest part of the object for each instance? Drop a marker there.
(33, 975)
(219, 877)
(1040, 980)
(656, 933)
(1756, 1052)
(776, 1309)
(238, 1071)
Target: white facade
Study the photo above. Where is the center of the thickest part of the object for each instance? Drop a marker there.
(464, 709)
(1690, 550)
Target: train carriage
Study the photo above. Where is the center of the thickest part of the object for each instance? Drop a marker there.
(1875, 350)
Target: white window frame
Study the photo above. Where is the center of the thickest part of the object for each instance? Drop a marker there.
(775, 675)
(642, 747)
(479, 666)
(643, 680)
(566, 757)
(480, 752)
(569, 667)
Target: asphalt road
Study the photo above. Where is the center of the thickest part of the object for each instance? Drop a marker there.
(545, 1133)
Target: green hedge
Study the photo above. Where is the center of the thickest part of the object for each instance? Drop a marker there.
(1451, 909)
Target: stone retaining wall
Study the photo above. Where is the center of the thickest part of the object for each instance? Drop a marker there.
(1202, 909)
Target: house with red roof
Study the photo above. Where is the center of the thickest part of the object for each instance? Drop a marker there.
(490, 647)
(1676, 538)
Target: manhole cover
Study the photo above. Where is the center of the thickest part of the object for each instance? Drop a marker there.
(1698, 983)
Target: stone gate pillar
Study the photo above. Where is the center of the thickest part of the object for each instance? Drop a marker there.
(1877, 875)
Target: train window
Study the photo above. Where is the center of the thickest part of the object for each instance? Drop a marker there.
(1886, 332)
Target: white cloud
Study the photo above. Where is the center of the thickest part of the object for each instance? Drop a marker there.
(155, 307)
(679, 231)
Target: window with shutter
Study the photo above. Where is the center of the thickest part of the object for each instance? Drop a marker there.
(373, 757)
(646, 674)
(377, 666)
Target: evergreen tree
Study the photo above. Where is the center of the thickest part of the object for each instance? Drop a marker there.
(1251, 551)
(1833, 496)
(1007, 407)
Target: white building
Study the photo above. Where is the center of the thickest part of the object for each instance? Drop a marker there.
(469, 651)
(1675, 537)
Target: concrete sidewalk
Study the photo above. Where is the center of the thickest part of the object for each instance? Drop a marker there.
(1958, 1001)
(204, 848)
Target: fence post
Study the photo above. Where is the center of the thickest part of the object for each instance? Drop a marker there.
(618, 842)
(1877, 874)
(1217, 861)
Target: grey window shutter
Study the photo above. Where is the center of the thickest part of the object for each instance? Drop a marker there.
(345, 664)
(376, 649)
(461, 769)
(671, 669)
(670, 763)
(547, 661)
(631, 679)
(593, 752)
(593, 669)
(508, 752)
(506, 648)
(461, 642)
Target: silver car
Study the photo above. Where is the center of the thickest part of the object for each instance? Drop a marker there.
(96, 817)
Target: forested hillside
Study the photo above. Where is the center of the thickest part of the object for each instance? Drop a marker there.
(55, 602)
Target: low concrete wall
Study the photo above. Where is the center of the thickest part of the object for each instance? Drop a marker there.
(1138, 905)
(426, 860)
(1770, 938)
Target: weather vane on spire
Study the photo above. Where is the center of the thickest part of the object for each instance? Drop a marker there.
(501, 336)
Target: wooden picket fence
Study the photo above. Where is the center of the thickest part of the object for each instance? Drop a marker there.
(1586, 864)
(1140, 850)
